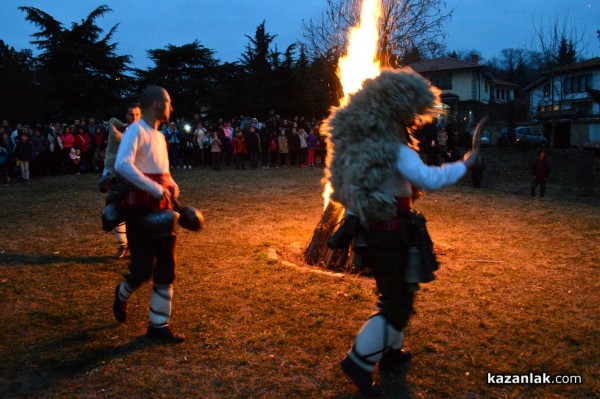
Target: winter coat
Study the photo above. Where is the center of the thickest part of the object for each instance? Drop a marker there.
(25, 151)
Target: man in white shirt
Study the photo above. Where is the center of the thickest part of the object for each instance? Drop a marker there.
(376, 174)
(143, 161)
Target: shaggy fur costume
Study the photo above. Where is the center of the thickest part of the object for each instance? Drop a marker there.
(115, 134)
(365, 135)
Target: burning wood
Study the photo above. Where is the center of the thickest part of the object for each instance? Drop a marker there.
(358, 64)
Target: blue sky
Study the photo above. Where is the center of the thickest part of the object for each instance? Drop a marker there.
(486, 25)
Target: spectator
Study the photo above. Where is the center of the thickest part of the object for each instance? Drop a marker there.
(83, 142)
(283, 147)
(25, 154)
(540, 169)
(199, 134)
(39, 166)
(312, 144)
(99, 143)
(303, 146)
(265, 144)
(173, 138)
(294, 146)
(253, 144)
(187, 147)
(273, 148)
(68, 140)
(239, 150)
(73, 165)
(4, 156)
(442, 139)
(215, 151)
(55, 149)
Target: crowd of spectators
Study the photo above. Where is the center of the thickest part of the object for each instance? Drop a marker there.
(243, 142)
(30, 151)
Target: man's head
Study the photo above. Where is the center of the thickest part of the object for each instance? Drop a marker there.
(541, 154)
(156, 102)
(134, 113)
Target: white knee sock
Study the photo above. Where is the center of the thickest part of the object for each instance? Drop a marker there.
(160, 305)
(125, 291)
(374, 338)
(121, 234)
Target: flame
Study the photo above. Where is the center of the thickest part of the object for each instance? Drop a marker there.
(360, 61)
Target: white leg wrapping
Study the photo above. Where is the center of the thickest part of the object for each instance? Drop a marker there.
(121, 234)
(125, 291)
(160, 305)
(374, 338)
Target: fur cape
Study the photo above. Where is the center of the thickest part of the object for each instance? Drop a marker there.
(364, 137)
(115, 134)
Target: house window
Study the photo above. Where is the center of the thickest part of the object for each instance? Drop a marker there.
(547, 90)
(576, 84)
(442, 81)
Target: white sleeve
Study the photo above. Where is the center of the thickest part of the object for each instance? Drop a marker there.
(125, 165)
(426, 177)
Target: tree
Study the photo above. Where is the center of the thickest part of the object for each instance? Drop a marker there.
(186, 72)
(258, 64)
(78, 70)
(553, 46)
(404, 25)
(19, 99)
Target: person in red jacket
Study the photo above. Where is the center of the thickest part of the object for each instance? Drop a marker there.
(68, 140)
(540, 169)
(239, 150)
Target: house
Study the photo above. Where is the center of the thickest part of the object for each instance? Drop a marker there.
(566, 99)
(469, 91)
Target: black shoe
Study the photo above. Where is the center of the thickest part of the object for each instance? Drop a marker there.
(393, 359)
(119, 307)
(121, 251)
(164, 334)
(361, 378)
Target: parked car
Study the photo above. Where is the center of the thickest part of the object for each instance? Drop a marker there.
(486, 137)
(530, 137)
(524, 136)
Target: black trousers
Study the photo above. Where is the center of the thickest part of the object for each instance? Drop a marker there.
(542, 183)
(149, 257)
(386, 255)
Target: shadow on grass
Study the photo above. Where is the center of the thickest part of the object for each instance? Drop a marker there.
(65, 358)
(17, 259)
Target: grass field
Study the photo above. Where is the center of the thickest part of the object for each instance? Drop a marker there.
(517, 292)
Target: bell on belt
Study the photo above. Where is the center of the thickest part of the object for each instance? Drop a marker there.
(414, 264)
(161, 224)
(112, 215)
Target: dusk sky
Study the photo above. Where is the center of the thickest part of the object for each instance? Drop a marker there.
(221, 25)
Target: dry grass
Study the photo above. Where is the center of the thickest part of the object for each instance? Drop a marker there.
(517, 293)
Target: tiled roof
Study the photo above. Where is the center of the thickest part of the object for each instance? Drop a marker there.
(442, 64)
(591, 63)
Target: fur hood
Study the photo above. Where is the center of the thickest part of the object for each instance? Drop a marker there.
(365, 135)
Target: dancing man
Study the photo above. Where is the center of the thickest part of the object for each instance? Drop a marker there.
(143, 161)
(109, 179)
(376, 172)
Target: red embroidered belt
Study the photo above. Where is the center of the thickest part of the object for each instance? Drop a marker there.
(394, 224)
(143, 200)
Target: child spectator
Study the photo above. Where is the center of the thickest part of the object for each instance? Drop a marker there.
(74, 161)
(216, 151)
(283, 148)
(312, 145)
(25, 154)
(239, 150)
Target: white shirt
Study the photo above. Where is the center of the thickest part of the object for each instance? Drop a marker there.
(413, 171)
(143, 150)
